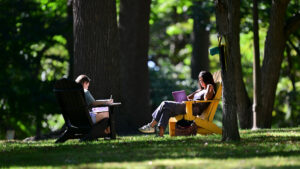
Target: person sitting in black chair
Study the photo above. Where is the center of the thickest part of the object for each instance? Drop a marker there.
(76, 106)
(84, 80)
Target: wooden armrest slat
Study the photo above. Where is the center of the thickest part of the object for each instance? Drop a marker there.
(204, 101)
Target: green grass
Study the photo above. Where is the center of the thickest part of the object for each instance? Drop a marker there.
(275, 148)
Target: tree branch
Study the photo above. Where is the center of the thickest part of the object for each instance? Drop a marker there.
(292, 25)
(290, 67)
(295, 48)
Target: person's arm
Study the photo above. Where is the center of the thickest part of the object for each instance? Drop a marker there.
(102, 102)
(210, 92)
(89, 98)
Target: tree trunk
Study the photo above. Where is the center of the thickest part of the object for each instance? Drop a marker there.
(96, 46)
(244, 105)
(69, 37)
(228, 20)
(200, 40)
(256, 67)
(134, 42)
(273, 55)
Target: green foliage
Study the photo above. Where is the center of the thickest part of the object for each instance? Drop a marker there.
(170, 29)
(286, 109)
(33, 36)
(32, 45)
(277, 148)
(168, 78)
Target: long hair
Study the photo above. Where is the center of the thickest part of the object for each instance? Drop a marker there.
(207, 79)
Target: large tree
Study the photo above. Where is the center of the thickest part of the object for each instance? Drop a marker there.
(69, 37)
(96, 46)
(279, 30)
(134, 42)
(278, 33)
(228, 22)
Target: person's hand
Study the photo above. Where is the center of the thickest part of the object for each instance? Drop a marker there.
(209, 92)
(210, 88)
(110, 101)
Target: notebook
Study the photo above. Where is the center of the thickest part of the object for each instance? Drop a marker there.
(99, 109)
(179, 96)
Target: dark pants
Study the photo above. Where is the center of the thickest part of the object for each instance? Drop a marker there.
(169, 109)
(166, 110)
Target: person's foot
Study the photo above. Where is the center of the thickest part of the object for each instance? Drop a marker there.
(147, 129)
(107, 130)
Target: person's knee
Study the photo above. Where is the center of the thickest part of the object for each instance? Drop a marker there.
(101, 116)
(166, 103)
(105, 115)
(162, 103)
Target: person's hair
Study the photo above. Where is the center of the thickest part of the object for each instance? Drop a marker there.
(207, 78)
(82, 79)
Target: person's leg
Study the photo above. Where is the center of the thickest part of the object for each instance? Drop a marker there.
(169, 109)
(161, 131)
(107, 130)
(162, 114)
(153, 123)
(100, 116)
(149, 128)
(157, 114)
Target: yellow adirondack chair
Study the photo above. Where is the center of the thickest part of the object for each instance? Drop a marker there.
(204, 121)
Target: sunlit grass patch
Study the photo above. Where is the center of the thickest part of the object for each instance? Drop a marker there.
(268, 148)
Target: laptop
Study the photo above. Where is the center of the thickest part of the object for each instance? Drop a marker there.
(179, 96)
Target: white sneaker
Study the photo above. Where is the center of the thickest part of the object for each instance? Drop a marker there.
(147, 129)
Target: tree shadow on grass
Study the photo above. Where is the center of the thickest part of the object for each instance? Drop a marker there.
(277, 130)
(148, 148)
(279, 167)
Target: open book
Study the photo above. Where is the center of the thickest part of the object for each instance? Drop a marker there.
(179, 96)
(99, 109)
(99, 103)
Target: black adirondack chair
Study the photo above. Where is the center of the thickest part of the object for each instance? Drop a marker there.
(70, 96)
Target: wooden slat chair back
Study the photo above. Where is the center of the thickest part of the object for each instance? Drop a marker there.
(70, 96)
(209, 113)
(204, 121)
(71, 99)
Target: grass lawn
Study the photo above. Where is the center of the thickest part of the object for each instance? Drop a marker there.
(273, 148)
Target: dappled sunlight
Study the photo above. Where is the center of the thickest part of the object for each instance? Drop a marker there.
(149, 151)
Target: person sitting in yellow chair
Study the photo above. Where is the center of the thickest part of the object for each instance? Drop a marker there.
(169, 109)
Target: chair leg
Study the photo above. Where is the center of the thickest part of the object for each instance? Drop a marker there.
(64, 137)
(208, 126)
(112, 123)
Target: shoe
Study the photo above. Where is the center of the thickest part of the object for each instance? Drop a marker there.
(147, 129)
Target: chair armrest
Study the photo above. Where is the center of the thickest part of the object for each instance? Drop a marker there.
(203, 101)
(108, 105)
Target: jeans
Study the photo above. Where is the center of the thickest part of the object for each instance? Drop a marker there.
(169, 109)
(166, 110)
